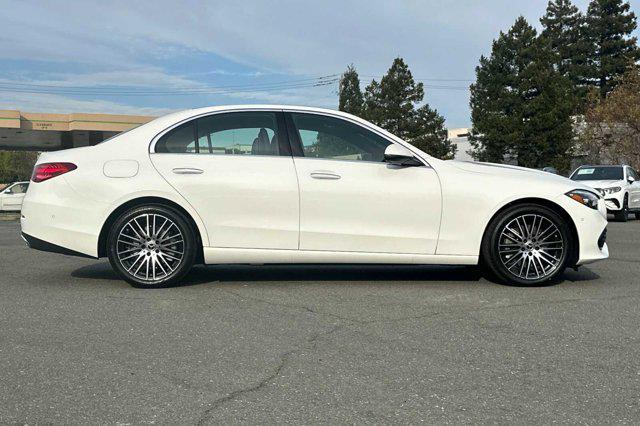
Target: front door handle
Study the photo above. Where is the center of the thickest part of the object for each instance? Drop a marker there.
(187, 171)
(325, 174)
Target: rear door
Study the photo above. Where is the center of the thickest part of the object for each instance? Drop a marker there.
(236, 170)
(351, 200)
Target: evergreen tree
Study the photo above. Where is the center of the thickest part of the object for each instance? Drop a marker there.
(430, 134)
(392, 105)
(609, 24)
(563, 27)
(350, 95)
(520, 104)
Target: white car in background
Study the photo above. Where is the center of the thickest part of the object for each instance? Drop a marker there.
(281, 184)
(619, 185)
(11, 197)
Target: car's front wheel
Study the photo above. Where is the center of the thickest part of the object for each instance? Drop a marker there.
(527, 245)
(151, 246)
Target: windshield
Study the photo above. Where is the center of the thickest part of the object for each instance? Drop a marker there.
(598, 173)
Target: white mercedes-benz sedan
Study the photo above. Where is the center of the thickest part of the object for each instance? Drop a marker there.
(281, 184)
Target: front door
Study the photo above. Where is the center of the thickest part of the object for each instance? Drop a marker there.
(351, 200)
(236, 170)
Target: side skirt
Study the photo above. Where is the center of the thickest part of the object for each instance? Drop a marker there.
(214, 255)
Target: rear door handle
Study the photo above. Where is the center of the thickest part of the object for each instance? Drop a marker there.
(325, 174)
(187, 171)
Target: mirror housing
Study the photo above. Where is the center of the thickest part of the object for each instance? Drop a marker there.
(630, 179)
(7, 191)
(400, 156)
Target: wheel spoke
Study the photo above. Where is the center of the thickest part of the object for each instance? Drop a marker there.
(530, 246)
(150, 247)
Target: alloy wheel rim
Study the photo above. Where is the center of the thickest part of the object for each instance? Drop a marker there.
(150, 247)
(531, 247)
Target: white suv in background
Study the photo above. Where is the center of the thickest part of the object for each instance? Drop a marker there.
(619, 185)
(11, 197)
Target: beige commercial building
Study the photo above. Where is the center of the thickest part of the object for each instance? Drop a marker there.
(36, 131)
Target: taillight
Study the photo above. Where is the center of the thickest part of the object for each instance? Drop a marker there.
(44, 171)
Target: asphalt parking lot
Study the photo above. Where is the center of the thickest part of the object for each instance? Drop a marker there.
(300, 344)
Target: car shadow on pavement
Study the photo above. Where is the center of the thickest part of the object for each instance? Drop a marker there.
(306, 273)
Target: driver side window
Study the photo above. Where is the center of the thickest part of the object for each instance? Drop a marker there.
(332, 138)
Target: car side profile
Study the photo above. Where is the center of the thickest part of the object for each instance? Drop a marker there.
(618, 184)
(284, 184)
(11, 197)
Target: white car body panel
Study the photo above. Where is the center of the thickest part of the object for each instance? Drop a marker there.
(261, 209)
(368, 207)
(245, 201)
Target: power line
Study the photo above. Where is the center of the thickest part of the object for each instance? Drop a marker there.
(87, 90)
(119, 90)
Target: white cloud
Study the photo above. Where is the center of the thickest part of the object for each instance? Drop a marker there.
(36, 102)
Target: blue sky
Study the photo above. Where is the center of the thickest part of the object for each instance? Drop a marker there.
(160, 56)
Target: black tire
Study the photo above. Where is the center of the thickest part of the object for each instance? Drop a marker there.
(557, 245)
(623, 214)
(171, 258)
(637, 215)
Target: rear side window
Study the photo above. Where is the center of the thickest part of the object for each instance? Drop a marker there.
(179, 140)
(239, 133)
(236, 133)
(336, 139)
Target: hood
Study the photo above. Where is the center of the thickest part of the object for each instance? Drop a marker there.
(521, 175)
(602, 183)
(505, 169)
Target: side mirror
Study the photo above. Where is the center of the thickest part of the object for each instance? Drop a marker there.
(400, 156)
(7, 191)
(630, 179)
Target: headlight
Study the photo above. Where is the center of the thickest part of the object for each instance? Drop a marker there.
(586, 198)
(607, 191)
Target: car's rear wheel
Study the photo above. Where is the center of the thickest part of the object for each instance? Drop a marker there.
(623, 214)
(151, 246)
(527, 245)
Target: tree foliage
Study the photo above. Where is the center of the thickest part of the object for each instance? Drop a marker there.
(349, 93)
(563, 27)
(16, 165)
(520, 103)
(610, 133)
(396, 104)
(608, 27)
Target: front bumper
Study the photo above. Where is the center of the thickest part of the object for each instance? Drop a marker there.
(613, 202)
(591, 227)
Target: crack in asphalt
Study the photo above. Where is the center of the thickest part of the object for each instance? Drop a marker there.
(292, 306)
(309, 344)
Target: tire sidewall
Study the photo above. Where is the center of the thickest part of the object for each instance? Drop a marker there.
(491, 256)
(181, 222)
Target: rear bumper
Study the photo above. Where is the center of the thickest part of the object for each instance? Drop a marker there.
(38, 244)
(54, 213)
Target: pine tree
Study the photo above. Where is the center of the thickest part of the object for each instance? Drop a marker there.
(430, 134)
(562, 27)
(520, 104)
(609, 24)
(392, 105)
(351, 99)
